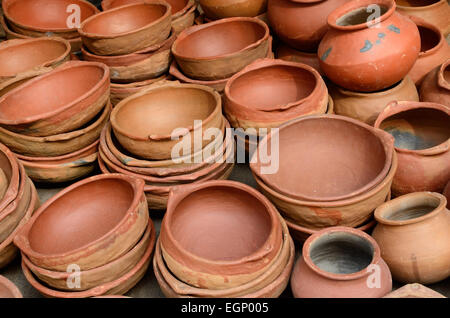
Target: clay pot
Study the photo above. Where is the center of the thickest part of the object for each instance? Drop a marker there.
(446, 193)
(105, 230)
(338, 263)
(8, 289)
(249, 98)
(53, 104)
(400, 222)
(434, 50)
(21, 79)
(313, 141)
(27, 17)
(289, 54)
(435, 87)
(434, 11)
(219, 49)
(422, 143)
(120, 91)
(217, 9)
(150, 123)
(10, 169)
(184, 21)
(367, 106)
(219, 234)
(142, 25)
(364, 56)
(414, 291)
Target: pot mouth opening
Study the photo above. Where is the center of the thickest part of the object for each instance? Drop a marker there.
(416, 3)
(411, 211)
(429, 38)
(359, 16)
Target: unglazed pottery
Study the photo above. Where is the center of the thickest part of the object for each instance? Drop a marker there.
(108, 219)
(340, 262)
(364, 54)
(219, 49)
(218, 9)
(150, 123)
(422, 142)
(414, 291)
(301, 23)
(284, 52)
(141, 25)
(446, 193)
(367, 106)
(400, 222)
(219, 234)
(8, 289)
(435, 87)
(10, 168)
(120, 91)
(53, 103)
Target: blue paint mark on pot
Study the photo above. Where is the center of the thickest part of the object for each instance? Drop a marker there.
(381, 35)
(367, 46)
(325, 54)
(393, 28)
(377, 42)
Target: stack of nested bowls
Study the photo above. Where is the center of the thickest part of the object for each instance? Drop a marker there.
(169, 134)
(222, 239)
(218, 9)
(18, 200)
(43, 18)
(209, 54)
(93, 238)
(137, 51)
(53, 121)
(325, 170)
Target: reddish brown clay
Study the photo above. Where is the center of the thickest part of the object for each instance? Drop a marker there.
(435, 87)
(287, 53)
(120, 91)
(218, 9)
(446, 193)
(414, 291)
(8, 289)
(10, 167)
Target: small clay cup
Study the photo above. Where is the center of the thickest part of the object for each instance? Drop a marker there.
(217, 9)
(8, 289)
(435, 87)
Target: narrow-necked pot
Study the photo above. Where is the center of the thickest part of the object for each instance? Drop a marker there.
(142, 25)
(8, 289)
(212, 51)
(106, 236)
(217, 9)
(10, 167)
(435, 87)
(284, 52)
(401, 222)
(340, 262)
(422, 143)
(120, 91)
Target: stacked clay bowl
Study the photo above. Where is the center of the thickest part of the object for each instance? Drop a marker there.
(217, 9)
(98, 228)
(222, 239)
(18, 200)
(43, 18)
(319, 177)
(53, 121)
(8, 289)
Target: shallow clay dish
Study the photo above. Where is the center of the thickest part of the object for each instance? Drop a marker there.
(8, 289)
(10, 167)
(108, 219)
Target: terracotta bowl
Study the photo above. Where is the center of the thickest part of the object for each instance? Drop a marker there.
(237, 225)
(120, 91)
(217, 9)
(20, 79)
(145, 123)
(141, 25)
(109, 217)
(53, 104)
(10, 167)
(185, 20)
(360, 162)
(8, 289)
(219, 49)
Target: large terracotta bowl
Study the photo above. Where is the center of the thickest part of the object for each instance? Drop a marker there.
(8, 289)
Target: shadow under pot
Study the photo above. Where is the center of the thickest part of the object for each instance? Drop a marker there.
(340, 262)
(422, 143)
(413, 236)
(435, 87)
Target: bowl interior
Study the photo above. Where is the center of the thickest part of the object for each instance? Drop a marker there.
(272, 86)
(176, 5)
(429, 38)
(402, 210)
(220, 39)
(81, 216)
(418, 129)
(161, 111)
(220, 223)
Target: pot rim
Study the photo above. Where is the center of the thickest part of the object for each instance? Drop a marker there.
(14, 181)
(13, 289)
(91, 35)
(299, 228)
(106, 5)
(442, 82)
(117, 87)
(426, 25)
(420, 8)
(376, 257)
(196, 28)
(381, 211)
(174, 70)
(399, 85)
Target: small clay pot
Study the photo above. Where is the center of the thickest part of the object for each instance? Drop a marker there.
(435, 87)
(113, 217)
(171, 111)
(338, 263)
(59, 101)
(422, 143)
(364, 54)
(217, 9)
(8, 289)
(142, 25)
(231, 242)
(400, 222)
(120, 91)
(434, 50)
(414, 291)
(219, 49)
(367, 106)
(284, 52)
(10, 167)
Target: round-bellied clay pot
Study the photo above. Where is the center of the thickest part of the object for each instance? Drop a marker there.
(8, 289)
(284, 52)
(219, 49)
(106, 213)
(422, 143)
(434, 50)
(301, 23)
(364, 54)
(152, 122)
(435, 87)
(432, 11)
(142, 25)
(400, 223)
(217, 9)
(340, 262)
(59, 101)
(367, 106)
(219, 234)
